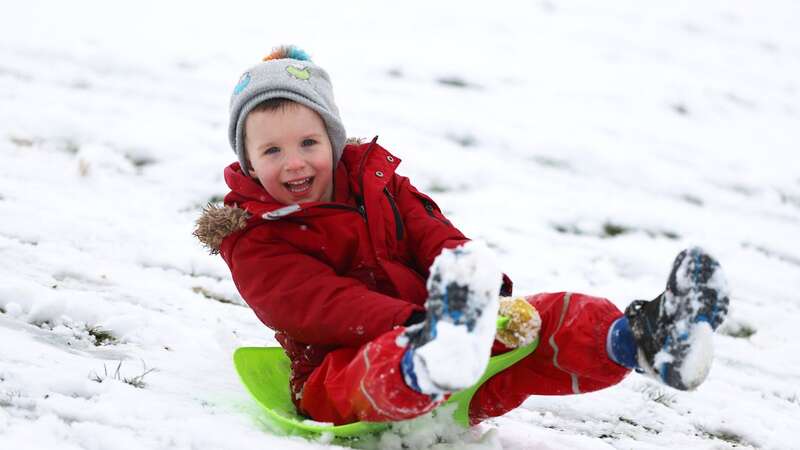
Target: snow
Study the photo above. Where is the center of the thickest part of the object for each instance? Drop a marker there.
(697, 362)
(433, 431)
(587, 143)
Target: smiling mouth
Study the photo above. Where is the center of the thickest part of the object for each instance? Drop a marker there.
(299, 186)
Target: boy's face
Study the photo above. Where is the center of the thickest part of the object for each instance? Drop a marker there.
(290, 153)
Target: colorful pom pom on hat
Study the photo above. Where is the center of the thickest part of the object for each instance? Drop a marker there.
(287, 72)
(288, 51)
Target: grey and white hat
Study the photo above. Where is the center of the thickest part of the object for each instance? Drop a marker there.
(286, 73)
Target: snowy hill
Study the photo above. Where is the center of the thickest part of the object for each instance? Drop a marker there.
(587, 143)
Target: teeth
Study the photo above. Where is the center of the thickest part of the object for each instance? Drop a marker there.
(300, 185)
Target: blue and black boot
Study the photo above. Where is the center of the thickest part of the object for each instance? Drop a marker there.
(674, 332)
(450, 349)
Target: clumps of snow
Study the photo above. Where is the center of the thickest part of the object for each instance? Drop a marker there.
(686, 281)
(697, 362)
(473, 264)
(690, 288)
(317, 423)
(13, 309)
(68, 317)
(719, 282)
(737, 328)
(100, 159)
(457, 356)
(4, 418)
(453, 361)
(435, 431)
(661, 358)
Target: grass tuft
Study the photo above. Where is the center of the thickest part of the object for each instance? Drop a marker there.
(395, 73)
(437, 188)
(21, 141)
(101, 336)
(464, 139)
(139, 161)
(737, 330)
(613, 229)
(137, 381)
(638, 425)
(10, 398)
(658, 395)
(213, 296)
(456, 82)
(723, 435)
(71, 146)
(554, 163)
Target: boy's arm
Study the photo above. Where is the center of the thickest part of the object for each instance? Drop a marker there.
(429, 231)
(303, 297)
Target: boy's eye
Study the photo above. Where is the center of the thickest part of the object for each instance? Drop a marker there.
(271, 150)
(309, 142)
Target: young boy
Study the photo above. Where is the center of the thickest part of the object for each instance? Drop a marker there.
(382, 305)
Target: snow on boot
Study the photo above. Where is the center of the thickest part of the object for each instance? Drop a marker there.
(674, 332)
(450, 350)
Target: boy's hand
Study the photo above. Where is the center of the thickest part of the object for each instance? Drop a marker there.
(523, 324)
(415, 318)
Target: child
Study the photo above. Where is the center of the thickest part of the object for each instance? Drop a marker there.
(382, 305)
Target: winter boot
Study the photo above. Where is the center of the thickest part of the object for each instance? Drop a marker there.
(674, 332)
(449, 351)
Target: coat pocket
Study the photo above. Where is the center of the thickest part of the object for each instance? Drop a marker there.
(431, 207)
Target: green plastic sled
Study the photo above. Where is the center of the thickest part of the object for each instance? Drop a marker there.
(265, 373)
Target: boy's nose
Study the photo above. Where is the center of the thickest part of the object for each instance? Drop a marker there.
(294, 163)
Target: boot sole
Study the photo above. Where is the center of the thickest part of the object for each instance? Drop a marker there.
(695, 303)
(461, 321)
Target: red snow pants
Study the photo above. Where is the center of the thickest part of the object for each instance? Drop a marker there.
(366, 383)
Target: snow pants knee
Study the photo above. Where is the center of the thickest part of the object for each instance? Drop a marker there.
(366, 384)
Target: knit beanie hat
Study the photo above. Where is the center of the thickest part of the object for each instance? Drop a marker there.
(289, 73)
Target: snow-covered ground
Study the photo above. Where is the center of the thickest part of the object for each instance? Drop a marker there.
(588, 142)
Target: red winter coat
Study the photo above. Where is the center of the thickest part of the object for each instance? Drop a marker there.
(326, 275)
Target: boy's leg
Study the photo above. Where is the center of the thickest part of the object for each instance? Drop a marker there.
(364, 384)
(669, 338)
(367, 383)
(571, 357)
(406, 372)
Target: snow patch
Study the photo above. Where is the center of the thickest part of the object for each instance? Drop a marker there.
(719, 282)
(454, 347)
(105, 84)
(697, 363)
(472, 263)
(435, 431)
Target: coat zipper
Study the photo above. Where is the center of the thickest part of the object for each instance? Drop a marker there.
(398, 220)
